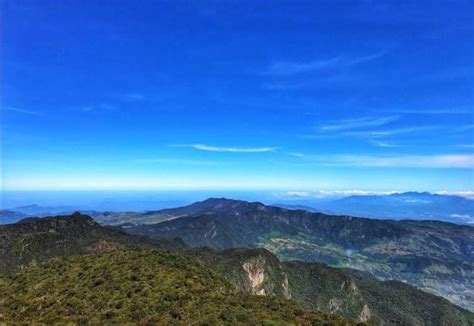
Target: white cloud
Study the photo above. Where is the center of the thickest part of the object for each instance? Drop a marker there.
(379, 143)
(175, 161)
(290, 68)
(20, 110)
(319, 194)
(135, 97)
(97, 108)
(365, 122)
(466, 146)
(432, 111)
(208, 148)
(468, 194)
(391, 161)
(388, 132)
(283, 68)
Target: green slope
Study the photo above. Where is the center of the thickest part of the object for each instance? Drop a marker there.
(139, 286)
(352, 294)
(35, 240)
(254, 271)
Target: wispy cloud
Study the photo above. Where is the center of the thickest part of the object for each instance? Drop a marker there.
(467, 194)
(380, 143)
(208, 148)
(97, 108)
(358, 123)
(290, 68)
(457, 110)
(298, 195)
(465, 146)
(466, 127)
(390, 161)
(283, 68)
(20, 110)
(179, 161)
(134, 97)
(388, 132)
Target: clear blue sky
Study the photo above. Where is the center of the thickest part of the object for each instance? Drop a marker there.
(292, 95)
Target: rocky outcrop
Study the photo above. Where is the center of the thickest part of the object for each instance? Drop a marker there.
(365, 314)
(286, 288)
(335, 305)
(255, 273)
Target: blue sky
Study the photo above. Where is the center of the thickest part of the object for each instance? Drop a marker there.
(287, 95)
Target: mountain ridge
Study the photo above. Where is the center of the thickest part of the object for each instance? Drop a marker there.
(436, 256)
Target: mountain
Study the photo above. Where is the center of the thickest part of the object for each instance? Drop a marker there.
(72, 287)
(352, 294)
(38, 210)
(33, 240)
(9, 216)
(145, 287)
(155, 216)
(435, 256)
(117, 218)
(13, 215)
(296, 207)
(408, 205)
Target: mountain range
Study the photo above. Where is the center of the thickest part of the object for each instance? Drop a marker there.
(407, 205)
(435, 256)
(71, 269)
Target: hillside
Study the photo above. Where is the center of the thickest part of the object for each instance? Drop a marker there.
(435, 256)
(140, 286)
(348, 293)
(247, 271)
(33, 240)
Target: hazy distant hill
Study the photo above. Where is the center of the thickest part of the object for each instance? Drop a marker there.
(125, 285)
(408, 205)
(8, 216)
(436, 256)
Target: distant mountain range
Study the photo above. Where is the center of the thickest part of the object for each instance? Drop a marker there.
(100, 279)
(433, 255)
(408, 205)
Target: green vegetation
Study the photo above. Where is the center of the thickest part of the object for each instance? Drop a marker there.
(351, 294)
(139, 286)
(80, 287)
(36, 240)
(399, 250)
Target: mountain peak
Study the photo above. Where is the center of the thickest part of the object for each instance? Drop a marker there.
(234, 204)
(59, 222)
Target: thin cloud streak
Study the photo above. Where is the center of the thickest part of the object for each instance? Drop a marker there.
(457, 161)
(208, 148)
(388, 132)
(384, 144)
(297, 195)
(285, 68)
(365, 122)
(290, 68)
(453, 111)
(161, 160)
(20, 110)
